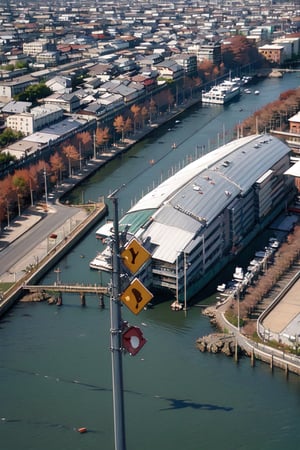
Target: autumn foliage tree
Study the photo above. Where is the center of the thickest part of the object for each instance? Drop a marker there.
(119, 124)
(136, 112)
(102, 136)
(144, 115)
(6, 199)
(18, 190)
(84, 143)
(240, 51)
(71, 154)
(20, 187)
(57, 166)
(274, 115)
(207, 70)
(152, 110)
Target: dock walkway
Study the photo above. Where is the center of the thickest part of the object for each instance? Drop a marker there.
(71, 288)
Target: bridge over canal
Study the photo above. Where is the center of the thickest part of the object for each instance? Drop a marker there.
(81, 289)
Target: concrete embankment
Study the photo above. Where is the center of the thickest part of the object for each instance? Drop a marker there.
(52, 257)
(224, 342)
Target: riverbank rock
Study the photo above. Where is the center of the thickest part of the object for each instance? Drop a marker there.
(217, 343)
(211, 313)
(38, 297)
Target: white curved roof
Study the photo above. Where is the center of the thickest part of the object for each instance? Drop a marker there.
(156, 197)
(198, 193)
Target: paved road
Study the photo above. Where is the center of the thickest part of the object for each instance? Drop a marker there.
(26, 241)
(29, 236)
(283, 322)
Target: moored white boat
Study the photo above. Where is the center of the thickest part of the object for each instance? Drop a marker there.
(238, 273)
(274, 243)
(221, 93)
(221, 287)
(103, 261)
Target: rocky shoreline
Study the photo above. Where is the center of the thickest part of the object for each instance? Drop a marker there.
(218, 343)
(36, 297)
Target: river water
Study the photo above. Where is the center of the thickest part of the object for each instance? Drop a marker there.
(55, 369)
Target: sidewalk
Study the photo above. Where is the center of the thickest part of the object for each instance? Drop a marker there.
(33, 214)
(19, 226)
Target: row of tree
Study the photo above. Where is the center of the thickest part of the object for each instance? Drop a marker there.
(274, 115)
(19, 189)
(286, 256)
(26, 186)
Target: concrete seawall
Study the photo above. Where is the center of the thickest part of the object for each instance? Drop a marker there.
(11, 296)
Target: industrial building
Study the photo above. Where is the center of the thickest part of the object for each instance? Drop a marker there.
(199, 219)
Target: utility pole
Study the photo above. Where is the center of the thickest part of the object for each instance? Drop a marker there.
(46, 190)
(80, 159)
(94, 142)
(122, 336)
(116, 335)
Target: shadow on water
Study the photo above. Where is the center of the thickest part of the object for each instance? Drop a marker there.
(176, 403)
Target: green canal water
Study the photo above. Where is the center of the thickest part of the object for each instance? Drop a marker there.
(55, 371)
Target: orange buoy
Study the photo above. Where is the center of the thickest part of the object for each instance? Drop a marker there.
(82, 430)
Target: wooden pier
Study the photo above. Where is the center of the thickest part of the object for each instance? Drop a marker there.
(71, 288)
(57, 290)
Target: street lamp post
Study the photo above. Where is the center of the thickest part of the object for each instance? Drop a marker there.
(238, 325)
(238, 310)
(57, 271)
(80, 160)
(19, 204)
(94, 139)
(46, 190)
(8, 215)
(31, 192)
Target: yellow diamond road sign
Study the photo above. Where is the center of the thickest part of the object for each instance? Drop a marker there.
(136, 296)
(134, 256)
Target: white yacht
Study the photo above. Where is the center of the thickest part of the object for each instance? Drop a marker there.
(221, 93)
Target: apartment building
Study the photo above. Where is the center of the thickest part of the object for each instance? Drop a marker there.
(210, 51)
(35, 47)
(273, 53)
(8, 89)
(39, 117)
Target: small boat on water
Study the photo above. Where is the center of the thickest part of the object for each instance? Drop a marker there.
(103, 261)
(260, 254)
(256, 92)
(238, 273)
(221, 287)
(274, 243)
(176, 306)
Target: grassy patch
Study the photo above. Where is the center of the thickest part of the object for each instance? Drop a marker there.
(5, 286)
